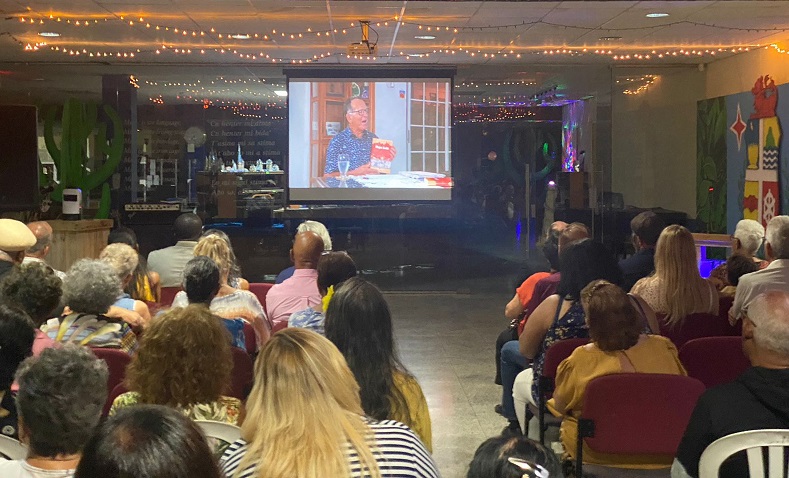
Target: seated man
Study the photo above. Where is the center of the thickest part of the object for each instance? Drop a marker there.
(40, 250)
(646, 228)
(301, 290)
(319, 229)
(757, 399)
(169, 262)
(15, 238)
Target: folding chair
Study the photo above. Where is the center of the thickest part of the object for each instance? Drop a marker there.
(753, 443)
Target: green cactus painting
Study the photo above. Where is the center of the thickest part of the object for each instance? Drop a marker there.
(79, 122)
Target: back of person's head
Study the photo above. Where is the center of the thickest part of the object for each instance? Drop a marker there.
(334, 268)
(123, 235)
(307, 250)
(122, 257)
(513, 457)
(778, 237)
(769, 313)
(550, 247)
(303, 407)
(319, 229)
(43, 232)
(737, 266)
(61, 395)
(188, 227)
(574, 232)
(16, 342)
(647, 226)
(34, 288)
(750, 235)
(148, 441)
(91, 286)
(581, 263)
(184, 359)
(614, 324)
(218, 250)
(201, 280)
(681, 285)
(235, 270)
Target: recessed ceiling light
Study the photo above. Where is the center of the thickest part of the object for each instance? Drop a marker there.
(49, 34)
(610, 38)
(241, 37)
(280, 92)
(425, 37)
(656, 15)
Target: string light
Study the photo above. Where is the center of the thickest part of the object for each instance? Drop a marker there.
(644, 82)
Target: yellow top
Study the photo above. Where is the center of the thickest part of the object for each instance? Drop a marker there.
(418, 419)
(652, 354)
(144, 284)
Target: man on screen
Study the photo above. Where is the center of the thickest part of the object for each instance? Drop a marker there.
(355, 142)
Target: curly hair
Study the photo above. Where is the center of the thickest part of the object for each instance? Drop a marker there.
(195, 346)
(61, 395)
(33, 288)
(91, 287)
(218, 250)
(122, 257)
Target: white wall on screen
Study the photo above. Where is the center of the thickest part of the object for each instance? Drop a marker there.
(391, 119)
(299, 134)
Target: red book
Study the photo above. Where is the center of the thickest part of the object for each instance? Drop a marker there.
(381, 155)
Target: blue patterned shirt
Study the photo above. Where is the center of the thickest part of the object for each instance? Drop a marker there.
(308, 318)
(357, 150)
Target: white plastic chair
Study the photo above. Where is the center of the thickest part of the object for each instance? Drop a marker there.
(752, 442)
(11, 449)
(219, 430)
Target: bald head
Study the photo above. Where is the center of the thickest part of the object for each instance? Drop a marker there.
(572, 233)
(769, 314)
(43, 232)
(307, 250)
(188, 227)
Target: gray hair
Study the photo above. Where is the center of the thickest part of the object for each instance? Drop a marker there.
(778, 236)
(91, 286)
(750, 233)
(61, 395)
(122, 257)
(319, 229)
(769, 313)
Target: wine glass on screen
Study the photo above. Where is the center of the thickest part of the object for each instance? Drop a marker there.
(342, 166)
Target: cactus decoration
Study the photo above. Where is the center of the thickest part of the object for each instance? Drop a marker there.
(79, 121)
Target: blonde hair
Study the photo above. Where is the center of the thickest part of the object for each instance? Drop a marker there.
(217, 250)
(303, 409)
(122, 257)
(676, 269)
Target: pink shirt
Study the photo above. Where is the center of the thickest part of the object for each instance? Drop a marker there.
(294, 294)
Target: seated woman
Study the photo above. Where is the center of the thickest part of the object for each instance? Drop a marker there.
(513, 457)
(305, 419)
(676, 289)
(617, 346)
(16, 344)
(359, 323)
(746, 240)
(736, 267)
(61, 395)
(333, 269)
(124, 260)
(229, 303)
(185, 363)
(234, 277)
(165, 444)
(145, 284)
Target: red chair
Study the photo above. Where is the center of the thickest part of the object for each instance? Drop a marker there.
(714, 360)
(168, 294)
(279, 326)
(636, 414)
(117, 361)
(250, 339)
(699, 325)
(243, 374)
(260, 289)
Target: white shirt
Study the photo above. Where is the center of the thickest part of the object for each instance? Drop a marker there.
(21, 469)
(29, 260)
(170, 262)
(773, 277)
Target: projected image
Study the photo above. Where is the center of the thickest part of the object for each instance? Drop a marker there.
(370, 140)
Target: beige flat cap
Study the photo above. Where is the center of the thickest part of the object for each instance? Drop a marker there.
(15, 236)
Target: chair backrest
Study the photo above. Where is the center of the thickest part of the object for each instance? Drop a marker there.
(698, 325)
(11, 449)
(250, 339)
(119, 390)
(283, 324)
(117, 361)
(260, 289)
(242, 375)
(219, 430)
(559, 351)
(168, 294)
(714, 360)
(753, 441)
(622, 406)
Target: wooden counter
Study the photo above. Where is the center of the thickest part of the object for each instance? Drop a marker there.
(74, 240)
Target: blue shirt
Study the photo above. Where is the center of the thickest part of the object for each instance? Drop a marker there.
(357, 150)
(308, 318)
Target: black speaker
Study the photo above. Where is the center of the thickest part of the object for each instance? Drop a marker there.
(18, 158)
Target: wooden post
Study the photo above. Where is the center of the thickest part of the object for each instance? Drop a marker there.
(74, 240)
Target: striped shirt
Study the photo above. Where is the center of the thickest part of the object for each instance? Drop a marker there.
(398, 452)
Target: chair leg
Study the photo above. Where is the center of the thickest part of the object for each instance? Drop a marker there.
(541, 409)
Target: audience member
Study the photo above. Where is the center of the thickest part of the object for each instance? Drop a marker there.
(773, 277)
(757, 399)
(184, 361)
(305, 418)
(617, 346)
(676, 289)
(234, 278)
(169, 262)
(35, 289)
(646, 228)
(15, 238)
(145, 284)
(148, 441)
(746, 240)
(40, 250)
(736, 267)
(333, 269)
(16, 344)
(513, 457)
(229, 302)
(312, 226)
(61, 395)
(124, 259)
(301, 289)
(359, 323)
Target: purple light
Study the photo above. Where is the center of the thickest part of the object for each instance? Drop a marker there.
(551, 184)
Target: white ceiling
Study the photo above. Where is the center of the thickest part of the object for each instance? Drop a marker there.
(538, 44)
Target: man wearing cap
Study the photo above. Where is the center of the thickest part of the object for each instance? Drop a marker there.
(15, 238)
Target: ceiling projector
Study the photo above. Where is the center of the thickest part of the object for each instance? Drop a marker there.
(364, 47)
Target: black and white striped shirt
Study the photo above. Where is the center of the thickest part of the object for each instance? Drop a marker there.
(399, 454)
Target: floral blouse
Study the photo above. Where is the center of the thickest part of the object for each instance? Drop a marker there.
(225, 409)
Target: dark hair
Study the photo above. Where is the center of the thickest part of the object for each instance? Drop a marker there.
(614, 324)
(188, 227)
(16, 342)
(581, 263)
(33, 288)
(333, 269)
(148, 441)
(201, 280)
(122, 235)
(136, 286)
(739, 265)
(491, 460)
(550, 248)
(647, 226)
(359, 323)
